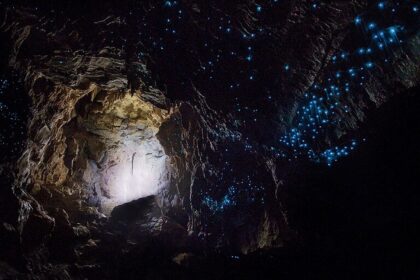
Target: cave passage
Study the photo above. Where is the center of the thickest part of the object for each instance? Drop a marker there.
(124, 159)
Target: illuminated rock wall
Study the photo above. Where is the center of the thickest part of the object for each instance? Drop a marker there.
(125, 160)
(98, 145)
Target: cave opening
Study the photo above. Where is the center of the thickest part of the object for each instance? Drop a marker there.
(113, 151)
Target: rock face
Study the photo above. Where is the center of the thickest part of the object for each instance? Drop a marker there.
(138, 149)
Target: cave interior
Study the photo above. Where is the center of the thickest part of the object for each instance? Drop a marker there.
(209, 139)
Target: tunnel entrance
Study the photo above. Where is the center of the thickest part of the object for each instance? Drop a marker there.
(113, 149)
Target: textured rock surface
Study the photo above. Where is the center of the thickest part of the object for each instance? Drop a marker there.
(90, 91)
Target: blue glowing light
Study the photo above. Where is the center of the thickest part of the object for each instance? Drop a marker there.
(392, 30)
(324, 107)
(169, 3)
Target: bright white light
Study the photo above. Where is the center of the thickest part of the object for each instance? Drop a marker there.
(136, 169)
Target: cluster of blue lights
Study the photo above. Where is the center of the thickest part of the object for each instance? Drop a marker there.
(332, 155)
(326, 102)
(242, 191)
(226, 201)
(230, 61)
(3, 85)
(170, 3)
(225, 44)
(12, 117)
